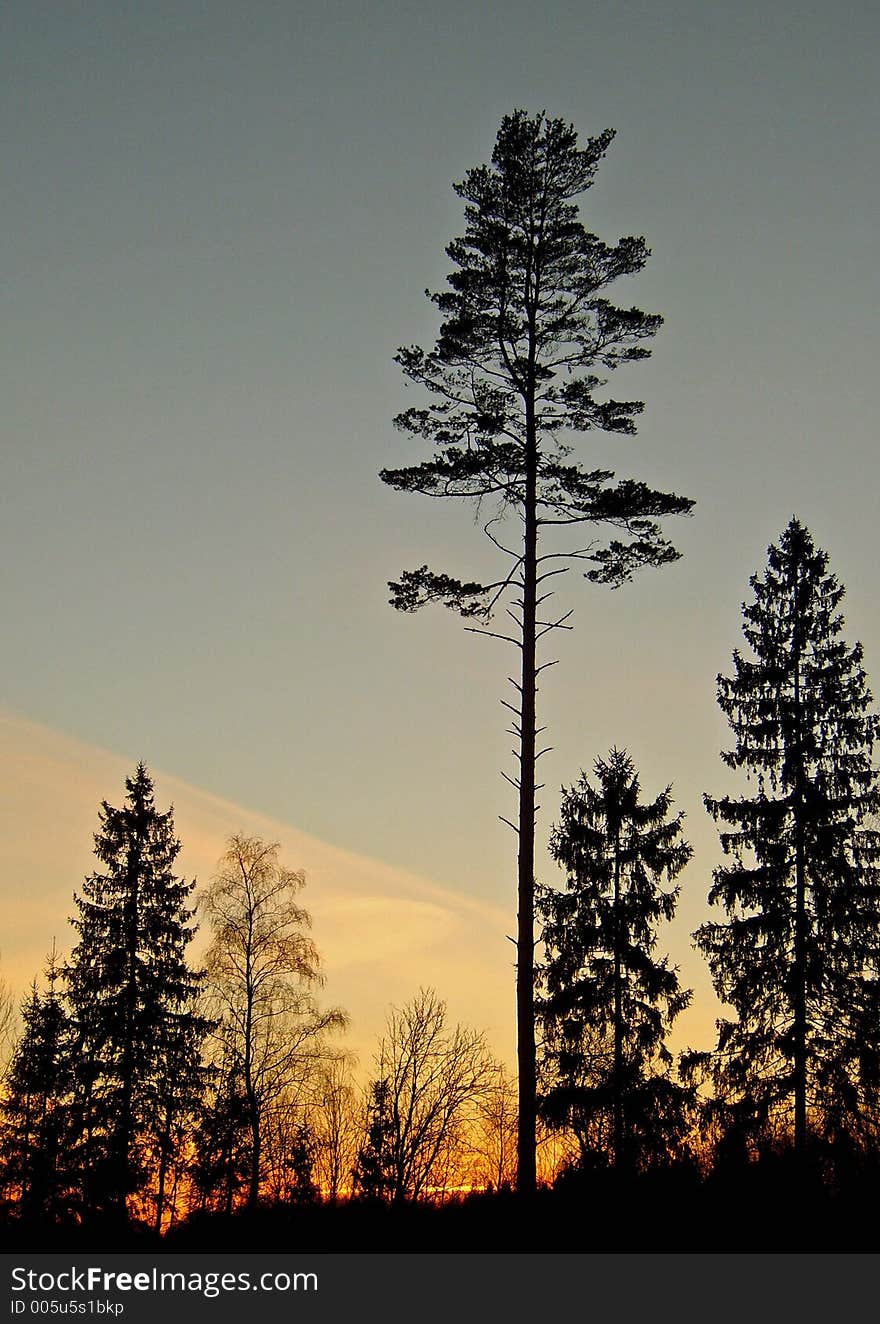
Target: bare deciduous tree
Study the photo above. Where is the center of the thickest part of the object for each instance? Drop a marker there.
(494, 1138)
(337, 1126)
(434, 1078)
(263, 969)
(7, 1022)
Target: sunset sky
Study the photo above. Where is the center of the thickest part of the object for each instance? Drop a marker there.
(219, 221)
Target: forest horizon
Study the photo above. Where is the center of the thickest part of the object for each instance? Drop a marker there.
(319, 908)
(250, 898)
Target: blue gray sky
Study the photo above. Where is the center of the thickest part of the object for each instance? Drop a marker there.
(219, 222)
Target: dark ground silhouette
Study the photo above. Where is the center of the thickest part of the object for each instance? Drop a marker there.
(763, 1207)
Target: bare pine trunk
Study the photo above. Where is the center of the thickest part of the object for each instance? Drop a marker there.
(526, 1179)
(618, 1016)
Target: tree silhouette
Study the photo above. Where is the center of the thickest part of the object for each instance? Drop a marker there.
(299, 1164)
(605, 1002)
(373, 1173)
(493, 1138)
(178, 1091)
(337, 1128)
(429, 1080)
(131, 993)
(34, 1115)
(797, 956)
(7, 1019)
(221, 1163)
(526, 325)
(262, 969)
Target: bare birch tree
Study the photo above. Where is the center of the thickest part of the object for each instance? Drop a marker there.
(263, 970)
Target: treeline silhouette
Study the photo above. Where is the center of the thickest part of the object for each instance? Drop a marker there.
(216, 1106)
(528, 337)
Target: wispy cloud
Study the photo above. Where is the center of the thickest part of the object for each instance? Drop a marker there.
(381, 931)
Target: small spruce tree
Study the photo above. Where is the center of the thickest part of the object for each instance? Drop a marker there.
(605, 1003)
(34, 1114)
(221, 1162)
(373, 1175)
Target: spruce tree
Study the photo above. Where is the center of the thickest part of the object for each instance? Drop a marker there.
(173, 1105)
(132, 995)
(34, 1114)
(605, 1002)
(797, 956)
(373, 1174)
(527, 332)
(221, 1164)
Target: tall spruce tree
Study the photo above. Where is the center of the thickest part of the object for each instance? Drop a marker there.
(605, 1002)
(132, 996)
(526, 329)
(797, 956)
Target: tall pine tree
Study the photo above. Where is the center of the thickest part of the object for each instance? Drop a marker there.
(132, 996)
(526, 338)
(797, 956)
(605, 1002)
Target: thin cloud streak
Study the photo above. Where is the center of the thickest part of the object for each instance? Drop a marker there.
(382, 932)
